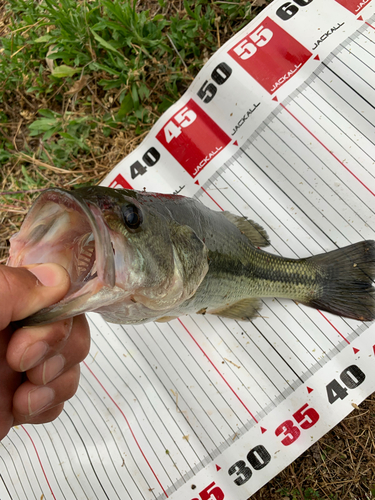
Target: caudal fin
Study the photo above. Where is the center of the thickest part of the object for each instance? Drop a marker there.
(347, 281)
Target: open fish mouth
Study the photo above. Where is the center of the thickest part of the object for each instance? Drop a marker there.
(62, 228)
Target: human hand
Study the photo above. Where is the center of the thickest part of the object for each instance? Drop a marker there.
(39, 366)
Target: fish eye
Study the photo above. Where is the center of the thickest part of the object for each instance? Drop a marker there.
(132, 217)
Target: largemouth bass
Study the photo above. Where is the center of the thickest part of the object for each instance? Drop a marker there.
(136, 257)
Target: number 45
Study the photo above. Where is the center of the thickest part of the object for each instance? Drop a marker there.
(215, 493)
(261, 36)
(185, 117)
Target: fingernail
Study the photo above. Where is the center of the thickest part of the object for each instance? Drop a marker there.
(33, 355)
(40, 398)
(52, 367)
(48, 274)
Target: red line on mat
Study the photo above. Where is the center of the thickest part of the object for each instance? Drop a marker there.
(327, 149)
(230, 387)
(371, 26)
(127, 422)
(40, 462)
(333, 326)
(208, 194)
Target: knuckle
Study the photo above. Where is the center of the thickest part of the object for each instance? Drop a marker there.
(59, 333)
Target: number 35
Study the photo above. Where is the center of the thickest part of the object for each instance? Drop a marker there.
(212, 492)
(305, 417)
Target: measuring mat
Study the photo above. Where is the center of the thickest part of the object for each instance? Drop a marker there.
(277, 127)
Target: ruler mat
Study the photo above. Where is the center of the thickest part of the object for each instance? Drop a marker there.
(277, 127)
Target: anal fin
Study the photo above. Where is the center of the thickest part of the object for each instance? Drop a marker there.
(245, 309)
(165, 319)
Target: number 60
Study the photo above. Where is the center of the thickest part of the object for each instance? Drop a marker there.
(288, 10)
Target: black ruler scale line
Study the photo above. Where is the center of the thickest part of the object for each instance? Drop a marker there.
(166, 381)
(342, 78)
(141, 414)
(9, 474)
(41, 433)
(328, 180)
(277, 384)
(146, 448)
(299, 198)
(279, 380)
(328, 132)
(88, 391)
(65, 461)
(102, 493)
(6, 487)
(307, 176)
(233, 360)
(150, 383)
(222, 427)
(119, 333)
(357, 111)
(82, 466)
(110, 474)
(254, 197)
(34, 485)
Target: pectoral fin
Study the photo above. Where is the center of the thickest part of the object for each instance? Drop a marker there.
(245, 309)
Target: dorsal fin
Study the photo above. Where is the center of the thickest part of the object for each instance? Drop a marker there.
(252, 230)
(245, 309)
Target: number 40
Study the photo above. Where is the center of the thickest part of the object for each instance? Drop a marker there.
(352, 377)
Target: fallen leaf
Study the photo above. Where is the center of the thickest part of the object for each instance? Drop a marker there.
(64, 70)
(50, 62)
(78, 85)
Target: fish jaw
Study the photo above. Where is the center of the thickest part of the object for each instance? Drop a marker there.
(64, 229)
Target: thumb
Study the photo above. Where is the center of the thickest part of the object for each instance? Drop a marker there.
(24, 291)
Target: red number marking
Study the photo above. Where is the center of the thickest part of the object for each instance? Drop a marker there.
(353, 6)
(306, 417)
(192, 138)
(216, 493)
(119, 181)
(270, 55)
(290, 431)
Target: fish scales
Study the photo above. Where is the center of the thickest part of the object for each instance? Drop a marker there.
(158, 256)
(237, 269)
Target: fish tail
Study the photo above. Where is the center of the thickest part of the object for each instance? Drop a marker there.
(346, 281)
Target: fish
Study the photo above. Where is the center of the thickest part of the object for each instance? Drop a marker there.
(135, 257)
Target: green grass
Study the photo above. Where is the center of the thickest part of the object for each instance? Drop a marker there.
(83, 81)
(295, 494)
(82, 69)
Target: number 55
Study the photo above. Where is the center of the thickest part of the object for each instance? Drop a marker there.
(260, 37)
(216, 493)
